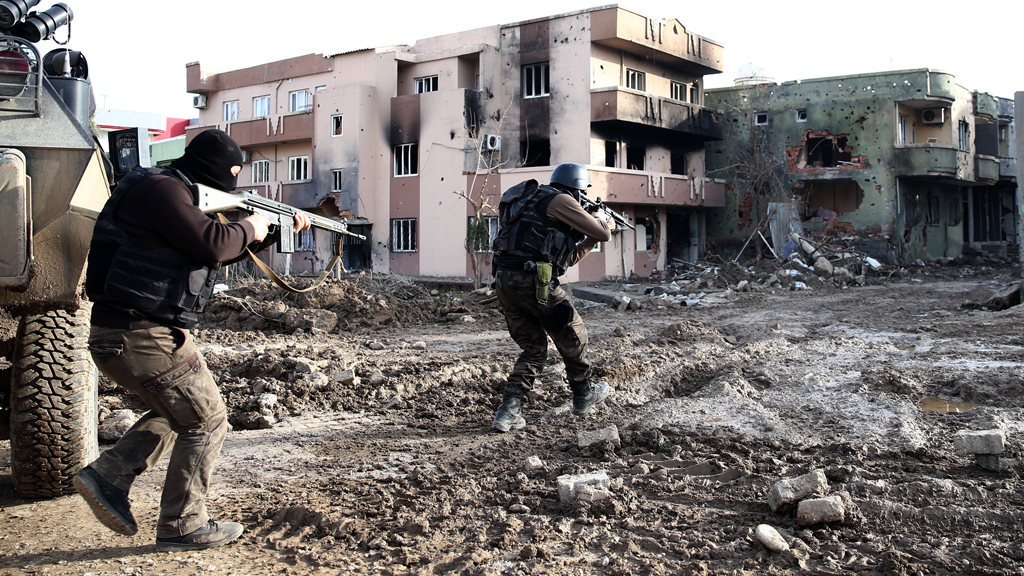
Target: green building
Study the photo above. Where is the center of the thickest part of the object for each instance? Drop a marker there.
(903, 165)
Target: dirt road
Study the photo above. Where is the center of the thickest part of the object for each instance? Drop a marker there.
(362, 442)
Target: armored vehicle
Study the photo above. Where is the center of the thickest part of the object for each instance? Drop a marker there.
(54, 179)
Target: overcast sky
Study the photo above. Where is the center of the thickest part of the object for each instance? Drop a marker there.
(137, 49)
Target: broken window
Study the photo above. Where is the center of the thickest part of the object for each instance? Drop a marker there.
(426, 84)
(695, 93)
(337, 125)
(827, 152)
(535, 152)
(954, 210)
(610, 153)
(535, 80)
(909, 209)
(835, 196)
(934, 209)
(636, 80)
(407, 160)
(965, 135)
(761, 119)
(635, 157)
(481, 233)
(678, 162)
(403, 235)
(904, 128)
(801, 115)
(678, 91)
(645, 232)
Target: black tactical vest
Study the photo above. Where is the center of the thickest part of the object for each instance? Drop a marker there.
(158, 282)
(525, 233)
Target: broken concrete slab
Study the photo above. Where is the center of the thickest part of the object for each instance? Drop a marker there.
(569, 485)
(591, 437)
(821, 510)
(994, 463)
(980, 442)
(595, 294)
(787, 492)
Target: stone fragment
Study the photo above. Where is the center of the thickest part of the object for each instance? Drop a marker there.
(787, 492)
(266, 403)
(345, 376)
(622, 302)
(822, 267)
(116, 424)
(980, 442)
(395, 402)
(592, 494)
(467, 319)
(375, 345)
(519, 509)
(770, 538)
(419, 345)
(569, 484)
(591, 437)
(533, 463)
(819, 510)
(994, 463)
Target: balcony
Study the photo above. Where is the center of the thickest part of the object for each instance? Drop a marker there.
(986, 107)
(986, 169)
(926, 160)
(664, 41)
(297, 127)
(670, 116)
(1008, 168)
(617, 186)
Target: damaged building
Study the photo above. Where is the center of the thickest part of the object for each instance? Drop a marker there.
(406, 142)
(902, 165)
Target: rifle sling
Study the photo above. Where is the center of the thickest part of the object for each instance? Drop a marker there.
(284, 285)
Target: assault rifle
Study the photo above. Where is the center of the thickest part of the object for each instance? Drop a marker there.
(281, 215)
(591, 205)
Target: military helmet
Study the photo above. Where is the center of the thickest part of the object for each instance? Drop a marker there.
(571, 175)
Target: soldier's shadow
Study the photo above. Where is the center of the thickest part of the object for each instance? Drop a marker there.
(41, 560)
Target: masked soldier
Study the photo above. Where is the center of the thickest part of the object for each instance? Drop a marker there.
(152, 266)
(542, 232)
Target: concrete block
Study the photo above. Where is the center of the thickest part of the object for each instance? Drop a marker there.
(592, 494)
(569, 484)
(819, 510)
(980, 442)
(787, 492)
(594, 294)
(591, 437)
(533, 463)
(994, 463)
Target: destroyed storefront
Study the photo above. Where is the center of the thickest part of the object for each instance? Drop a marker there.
(896, 165)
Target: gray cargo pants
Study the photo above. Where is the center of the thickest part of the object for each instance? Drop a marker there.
(530, 323)
(187, 416)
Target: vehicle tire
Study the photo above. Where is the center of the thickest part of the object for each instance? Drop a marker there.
(54, 387)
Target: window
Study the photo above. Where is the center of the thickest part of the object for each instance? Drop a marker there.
(298, 168)
(695, 93)
(965, 135)
(904, 132)
(909, 209)
(636, 156)
(610, 155)
(801, 115)
(407, 160)
(636, 80)
(481, 235)
(828, 152)
(761, 119)
(934, 209)
(677, 162)
(337, 180)
(678, 91)
(954, 210)
(1002, 134)
(260, 171)
(260, 106)
(300, 101)
(337, 126)
(403, 235)
(304, 241)
(231, 111)
(535, 152)
(535, 80)
(426, 84)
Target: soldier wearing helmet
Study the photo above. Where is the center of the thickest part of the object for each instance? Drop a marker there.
(542, 232)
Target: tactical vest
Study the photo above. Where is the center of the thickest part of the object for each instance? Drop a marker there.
(159, 282)
(525, 233)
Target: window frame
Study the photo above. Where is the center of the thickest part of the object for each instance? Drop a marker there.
(964, 133)
(636, 80)
(903, 129)
(293, 100)
(677, 91)
(492, 233)
(295, 162)
(258, 167)
(695, 93)
(425, 84)
(757, 119)
(337, 125)
(337, 178)
(233, 105)
(801, 114)
(304, 241)
(544, 69)
(255, 109)
(409, 234)
(406, 160)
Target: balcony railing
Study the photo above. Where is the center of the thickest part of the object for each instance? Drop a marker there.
(986, 106)
(1008, 168)
(634, 187)
(926, 160)
(986, 169)
(619, 104)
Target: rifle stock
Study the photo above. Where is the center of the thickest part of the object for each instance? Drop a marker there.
(212, 201)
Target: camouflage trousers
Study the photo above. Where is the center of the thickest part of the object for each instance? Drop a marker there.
(187, 416)
(530, 323)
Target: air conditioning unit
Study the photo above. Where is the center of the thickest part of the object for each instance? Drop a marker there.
(492, 142)
(199, 101)
(933, 116)
(246, 156)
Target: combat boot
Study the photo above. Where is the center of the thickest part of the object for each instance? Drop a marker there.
(586, 394)
(209, 535)
(108, 502)
(510, 415)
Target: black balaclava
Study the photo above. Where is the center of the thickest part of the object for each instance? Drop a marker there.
(208, 160)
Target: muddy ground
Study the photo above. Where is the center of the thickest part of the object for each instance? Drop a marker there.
(361, 439)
